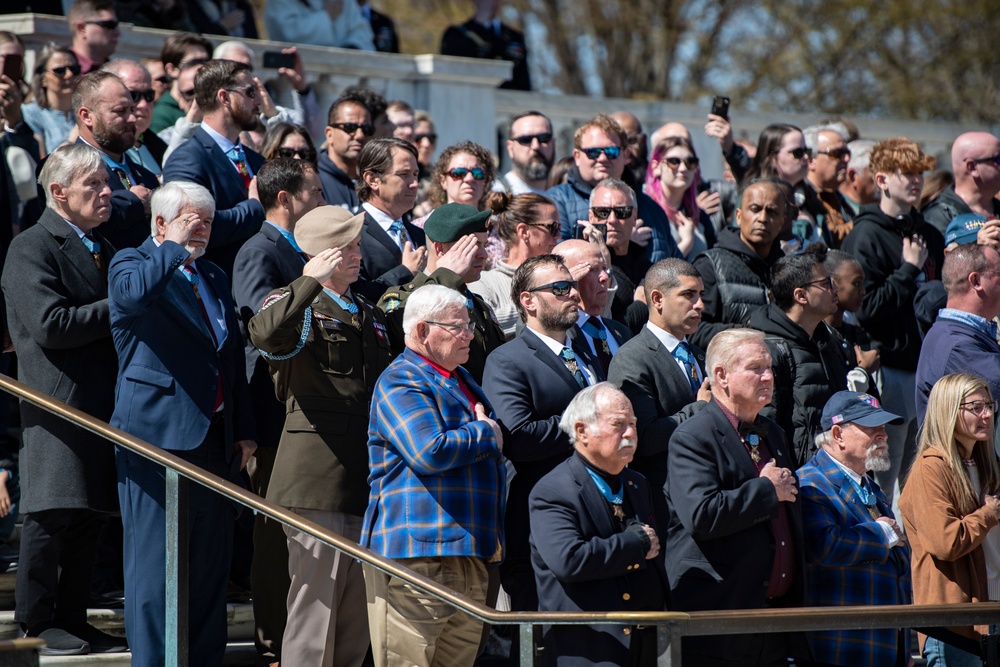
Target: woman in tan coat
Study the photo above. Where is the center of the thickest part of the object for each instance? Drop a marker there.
(950, 506)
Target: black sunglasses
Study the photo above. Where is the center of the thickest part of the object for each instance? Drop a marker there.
(800, 152)
(558, 288)
(824, 283)
(307, 154)
(431, 137)
(604, 212)
(61, 71)
(459, 173)
(137, 95)
(249, 91)
(367, 129)
(551, 227)
(689, 162)
(164, 80)
(526, 139)
(837, 153)
(593, 153)
(109, 24)
(184, 64)
(188, 94)
(993, 159)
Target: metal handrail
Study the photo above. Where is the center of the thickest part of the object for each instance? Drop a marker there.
(672, 625)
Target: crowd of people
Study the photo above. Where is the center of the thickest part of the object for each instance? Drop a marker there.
(615, 387)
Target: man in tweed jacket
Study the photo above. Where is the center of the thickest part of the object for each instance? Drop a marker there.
(436, 502)
(856, 554)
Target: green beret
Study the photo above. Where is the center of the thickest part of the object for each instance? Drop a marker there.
(453, 221)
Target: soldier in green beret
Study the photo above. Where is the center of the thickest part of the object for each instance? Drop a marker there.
(326, 347)
(456, 237)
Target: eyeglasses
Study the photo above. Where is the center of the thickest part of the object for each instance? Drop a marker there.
(307, 154)
(635, 139)
(250, 91)
(558, 288)
(604, 212)
(979, 407)
(674, 162)
(837, 153)
(800, 152)
(61, 71)
(163, 80)
(431, 137)
(551, 227)
(109, 24)
(995, 159)
(459, 173)
(455, 328)
(527, 139)
(187, 94)
(824, 283)
(367, 129)
(593, 153)
(184, 64)
(137, 95)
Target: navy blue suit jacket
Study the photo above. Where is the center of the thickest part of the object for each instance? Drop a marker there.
(201, 161)
(168, 362)
(381, 258)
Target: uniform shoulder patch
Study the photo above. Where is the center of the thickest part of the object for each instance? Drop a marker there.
(272, 298)
(391, 304)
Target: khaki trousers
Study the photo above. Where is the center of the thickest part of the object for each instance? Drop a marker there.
(412, 629)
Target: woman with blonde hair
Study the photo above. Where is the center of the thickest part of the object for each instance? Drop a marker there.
(950, 508)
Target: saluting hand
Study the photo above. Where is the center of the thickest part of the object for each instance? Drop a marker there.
(322, 266)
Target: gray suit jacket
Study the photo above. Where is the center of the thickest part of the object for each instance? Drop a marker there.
(57, 310)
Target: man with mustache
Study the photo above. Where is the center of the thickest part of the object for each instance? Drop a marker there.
(594, 545)
(856, 554)
(531, 146)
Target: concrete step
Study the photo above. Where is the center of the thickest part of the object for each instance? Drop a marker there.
(238, 654)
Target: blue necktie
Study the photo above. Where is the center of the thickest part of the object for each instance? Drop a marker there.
(399, 230)
(683, 354)
(95, 249)
(569, 358)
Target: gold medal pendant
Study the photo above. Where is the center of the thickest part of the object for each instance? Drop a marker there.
(617, 510)
(573, 367)
(604, 346)
(355, 322)
(754, 455)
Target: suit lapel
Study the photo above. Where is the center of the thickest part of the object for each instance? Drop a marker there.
(75, 252)
(581, 346)
(213, 276)
(669, 367)
(223, 163)
(373, 229)
(592, 498)
(547, 357)
(732, 444)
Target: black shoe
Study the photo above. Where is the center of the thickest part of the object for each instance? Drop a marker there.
(57, 640)
(107, 600)
(100, 642)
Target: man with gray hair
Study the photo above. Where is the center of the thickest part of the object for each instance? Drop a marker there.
(437, 480)
(56, 287)
(594, 545)
(858, 187)
(182, 387)
(827, 170)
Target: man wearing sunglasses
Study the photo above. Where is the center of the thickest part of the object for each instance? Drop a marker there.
(827, 172)
(975, 159)
(599, 153)
(94, 26)
(531, 147)
(348, 130)
(148, 149)
(214, 158)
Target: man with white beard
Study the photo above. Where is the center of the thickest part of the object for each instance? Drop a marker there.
(856, 553)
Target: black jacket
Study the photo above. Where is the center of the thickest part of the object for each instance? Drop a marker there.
(941, 210)
(472, 39)
(808, 370)
(736, 282)
(338, 188)
(887, 312)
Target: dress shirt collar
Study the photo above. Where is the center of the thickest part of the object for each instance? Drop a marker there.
(383, 219)
(668, 340)
(855, 477)
(223, 142)
(551, 343)
(79, 232)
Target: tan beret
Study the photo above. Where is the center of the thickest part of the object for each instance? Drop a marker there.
(327, 227)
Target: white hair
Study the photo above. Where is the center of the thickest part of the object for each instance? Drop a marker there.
(725, 346)
(118, 65)
(860, 150)
(811, 134)
(222, 49)
(427, 303)
(583, 408)
(613, 184)
(170, 199)
(66, 163)
(823, 439)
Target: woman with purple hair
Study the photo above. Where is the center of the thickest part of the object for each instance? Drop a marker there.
(672, 179)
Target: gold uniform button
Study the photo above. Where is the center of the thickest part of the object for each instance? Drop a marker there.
(626, 597)
(627, 631)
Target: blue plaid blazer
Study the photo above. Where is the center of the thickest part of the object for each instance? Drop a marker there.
(849, 563)
(436, 473)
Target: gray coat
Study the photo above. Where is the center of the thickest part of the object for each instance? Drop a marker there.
(57, 311)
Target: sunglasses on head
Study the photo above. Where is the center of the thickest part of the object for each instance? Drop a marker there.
(367, 129)
(689, 162)
(800, 152)
(593, 153)
(109, 24)
(307, 154)
(837, 153)
(526, 139)
(459, 173)
(431, 137)
(137, 95)
(250, 91)
(604, 212)
(61, 71)
(558, 288)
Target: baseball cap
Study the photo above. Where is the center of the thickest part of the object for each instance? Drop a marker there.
(963, 228)
(857, 408)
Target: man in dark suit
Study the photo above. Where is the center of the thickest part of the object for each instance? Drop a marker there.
(392, 250)
(662, 374)
(148, 148)
(734, 534)
(288, 189)
(594, 545)
(602, 335)
(105, 117)
(181, 386)
(484, 36)
(214, 158)
(529, 382)
(56, 291)
(383, 28)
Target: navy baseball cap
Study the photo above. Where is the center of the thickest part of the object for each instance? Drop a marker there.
(860, 409)
(964, 228)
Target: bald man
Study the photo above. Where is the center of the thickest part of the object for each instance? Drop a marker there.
(148, 149)
(975, 159)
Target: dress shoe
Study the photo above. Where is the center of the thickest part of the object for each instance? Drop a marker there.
(100, 642)
(57, 640)
(107, 600)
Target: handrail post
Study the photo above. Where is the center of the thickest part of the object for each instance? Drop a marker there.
(176, 510)
(668, 645)
(526, 644)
